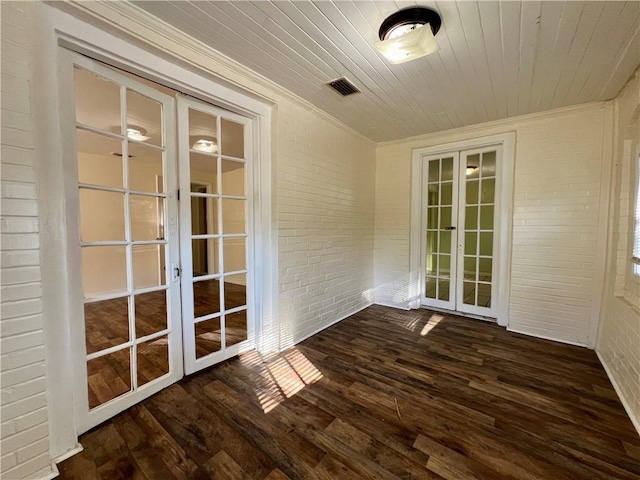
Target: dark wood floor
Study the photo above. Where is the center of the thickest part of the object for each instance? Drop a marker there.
(384, 394)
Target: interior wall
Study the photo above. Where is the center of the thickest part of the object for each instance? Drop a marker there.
(619, 338)
(25, 444)
(325, 199)
(557, 196)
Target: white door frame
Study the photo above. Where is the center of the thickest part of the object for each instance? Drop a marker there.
(57, 31)
(504, 216)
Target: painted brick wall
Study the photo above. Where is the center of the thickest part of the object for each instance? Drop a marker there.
(325, 209)
(556, 223)
(23, 410)
(619, 339)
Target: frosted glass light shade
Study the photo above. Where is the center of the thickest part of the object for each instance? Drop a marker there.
(414, 44)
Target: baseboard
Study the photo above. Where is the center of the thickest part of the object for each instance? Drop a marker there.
(627, 407)
(400, 307)
(545, 337)
(327, 326)
(53, 474)
(69, 453)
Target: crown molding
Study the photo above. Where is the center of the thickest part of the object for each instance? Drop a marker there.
(126, 18)
(508, 123)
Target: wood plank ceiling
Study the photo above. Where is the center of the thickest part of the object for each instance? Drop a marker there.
(496, 59)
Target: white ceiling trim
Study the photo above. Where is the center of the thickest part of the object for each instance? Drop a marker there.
(503, 124)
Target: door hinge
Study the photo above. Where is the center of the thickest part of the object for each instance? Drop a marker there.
(178, 194)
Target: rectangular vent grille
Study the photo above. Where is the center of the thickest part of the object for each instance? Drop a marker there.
(343, 86)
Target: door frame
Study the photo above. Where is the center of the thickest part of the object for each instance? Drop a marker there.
(57, 32)
(504, 215)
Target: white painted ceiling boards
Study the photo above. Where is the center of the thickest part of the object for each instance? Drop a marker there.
(496, 59)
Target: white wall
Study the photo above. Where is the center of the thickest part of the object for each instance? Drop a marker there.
(24, 445)
(619, 339)
(324, 186)
(557, 219)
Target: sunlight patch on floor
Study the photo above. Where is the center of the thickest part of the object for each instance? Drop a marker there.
(282, 377)
(433, 321)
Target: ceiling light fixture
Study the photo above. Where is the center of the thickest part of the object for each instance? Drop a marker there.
(470, 169)
(137, 133)
(404, 35)
(205, 145)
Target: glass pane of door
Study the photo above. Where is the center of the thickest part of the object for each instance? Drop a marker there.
(122, 159)
(478, 175)
(215, 279)
(440, 229)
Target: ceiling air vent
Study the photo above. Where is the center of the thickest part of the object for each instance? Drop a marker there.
(343, 86)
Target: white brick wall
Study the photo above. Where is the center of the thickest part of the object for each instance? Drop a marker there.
(23, 411)
(325, 204)
(619, 339)
(556, 197)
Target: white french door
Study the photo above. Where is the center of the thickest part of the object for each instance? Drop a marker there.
(160, 227)
(123, 217)
(459, 240)
(215, 232)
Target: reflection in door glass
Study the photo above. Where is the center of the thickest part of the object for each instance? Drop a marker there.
(146, 169)
(99, 159)
(151, 312)
(206, 297)
(153, 359)
(232, 139)
(208, 337)
(106, 323)
(104, 270)
(235, 326)
(235, 291)
(144, 119)
(109, 376)
(97, 101)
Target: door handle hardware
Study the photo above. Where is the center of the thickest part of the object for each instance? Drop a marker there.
(449, 228)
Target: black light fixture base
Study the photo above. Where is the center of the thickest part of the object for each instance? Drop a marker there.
(409, 16)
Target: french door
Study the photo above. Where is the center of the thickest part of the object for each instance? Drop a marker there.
(459, 221)
(215, 234)
(124, 214)
(160, 231)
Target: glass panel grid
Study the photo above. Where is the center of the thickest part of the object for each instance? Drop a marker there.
(230, 205)
(111, 360)
(439, 202)
(479, 226)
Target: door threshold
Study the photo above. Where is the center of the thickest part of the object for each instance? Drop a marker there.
(460, 314)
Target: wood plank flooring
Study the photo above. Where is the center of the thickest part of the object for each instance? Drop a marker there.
(384, 394)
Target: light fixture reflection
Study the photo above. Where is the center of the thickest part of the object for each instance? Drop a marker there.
(137, 133)
(470, 169)
(205, 145)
